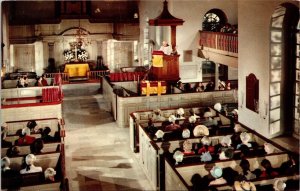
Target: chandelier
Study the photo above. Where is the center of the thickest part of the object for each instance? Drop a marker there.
(81, 37)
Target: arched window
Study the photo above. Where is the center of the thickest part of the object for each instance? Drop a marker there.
(214, 20)
(284, 86)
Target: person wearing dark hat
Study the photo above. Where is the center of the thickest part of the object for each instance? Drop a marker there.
(37, 146)
(268, 170)
(30, 127)
(46, 137)
(226, 153)
(290, 167)
(13, 151)
(246, 173)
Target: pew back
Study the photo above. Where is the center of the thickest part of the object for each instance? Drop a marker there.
(48, 147)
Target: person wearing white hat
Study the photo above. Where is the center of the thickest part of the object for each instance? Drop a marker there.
(180, 113)
(218, 107)
(187, 147)
(178, 156)
(279, 185)
(192, 119)
(157, 116)
(173, 126)
(269, 149)
(206, 147)
(217, 173)
(4, 143)
(30, 168)
(159, 134)
(244, 186)
(5, 162)
(200, 130)
(226, 141)
(245, 138)
(49, 174)
(186, 133)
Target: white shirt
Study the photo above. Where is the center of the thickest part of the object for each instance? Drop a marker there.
(32, 169)
(166, 49)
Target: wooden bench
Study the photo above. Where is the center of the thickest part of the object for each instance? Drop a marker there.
(53, 123)
(48, 147)
(44, 160)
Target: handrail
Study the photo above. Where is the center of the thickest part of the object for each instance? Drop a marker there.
(97, 74)
(220, 41)
(64, 76)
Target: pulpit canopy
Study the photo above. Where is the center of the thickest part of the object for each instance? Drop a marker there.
(165, 18)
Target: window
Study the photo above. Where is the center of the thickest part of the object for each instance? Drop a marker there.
(213, 20)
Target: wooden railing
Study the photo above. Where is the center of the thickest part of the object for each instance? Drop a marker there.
(220, 41)
(96, 75)
(64, 76)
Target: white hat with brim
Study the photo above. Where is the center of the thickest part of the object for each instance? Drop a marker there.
(172, 118)
(178, 156)
(30, 158)
(216, 172)
(159, 134)
(207, 114)
(269, 148)
(206, 140)
(279, 185)
(180, 111)
(200, 130)
(49, 172)
(186, 133)
(245, 137)
(192, 119)
(226, 140)
(244, 186)
(218, 107)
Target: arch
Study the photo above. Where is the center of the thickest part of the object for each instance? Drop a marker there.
(214, 20)
(68, 30)
(283, 94)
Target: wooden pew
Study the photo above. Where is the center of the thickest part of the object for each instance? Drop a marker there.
(53, 123)
(43, 160)
(48, 147)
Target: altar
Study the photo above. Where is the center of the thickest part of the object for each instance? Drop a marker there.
(77, 69)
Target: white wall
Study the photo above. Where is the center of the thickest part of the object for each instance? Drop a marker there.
(254, 51)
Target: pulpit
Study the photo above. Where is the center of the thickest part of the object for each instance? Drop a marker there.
(77, 70)
(164, 67)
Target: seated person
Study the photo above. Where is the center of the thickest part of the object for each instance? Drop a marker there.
(157, 116)
(24, 139)
(209, 86)
(25, 81)
(206, 146)
(217, 173)
(5, 162)
(10, 179)
(291, 166)
(42, 81)
(245, 138)
(37, 146)
(199, 87)
(246, 173)
(21, 82)
(13, 151)
(174, 124)
(151, 129)
(30, 168)
(31, 127)
(166, 48)
(50, 174)
(268, 170)
(45, 135)
(187, 148)
(4, 143)
(228, 86)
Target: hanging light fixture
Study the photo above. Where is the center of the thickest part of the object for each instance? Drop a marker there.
(81, 37)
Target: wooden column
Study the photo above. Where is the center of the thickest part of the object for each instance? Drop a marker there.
(173, 37)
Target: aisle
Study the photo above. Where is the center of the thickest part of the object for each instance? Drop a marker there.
(97, 151)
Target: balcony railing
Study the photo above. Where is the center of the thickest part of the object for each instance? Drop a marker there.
(220, 41)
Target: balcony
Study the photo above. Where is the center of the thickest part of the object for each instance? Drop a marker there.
(219, 47)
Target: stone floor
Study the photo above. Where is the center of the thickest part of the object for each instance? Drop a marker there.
(98, 156)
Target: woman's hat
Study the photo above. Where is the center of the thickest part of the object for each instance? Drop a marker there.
(187, 145)
(200, 130)
(157, 111)
(218, 107)
(186, 133)
(279, 185)
(269, 148)
(192, 119)
(178, 156)
(5, 162)
(30, 158)
(238, 128)
(244, 186)
(216, 172)
(159, 134)
(226, 140)
(206, 140)
(235, 111)
(245, 137)
(180, 111)
(49, 172)
(172, 118)
(206, 156)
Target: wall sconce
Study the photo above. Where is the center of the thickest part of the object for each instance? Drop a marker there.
(135, 15)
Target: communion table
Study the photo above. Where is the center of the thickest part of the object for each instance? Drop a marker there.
(77, 69)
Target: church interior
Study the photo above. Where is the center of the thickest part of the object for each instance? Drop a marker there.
(150, 95)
